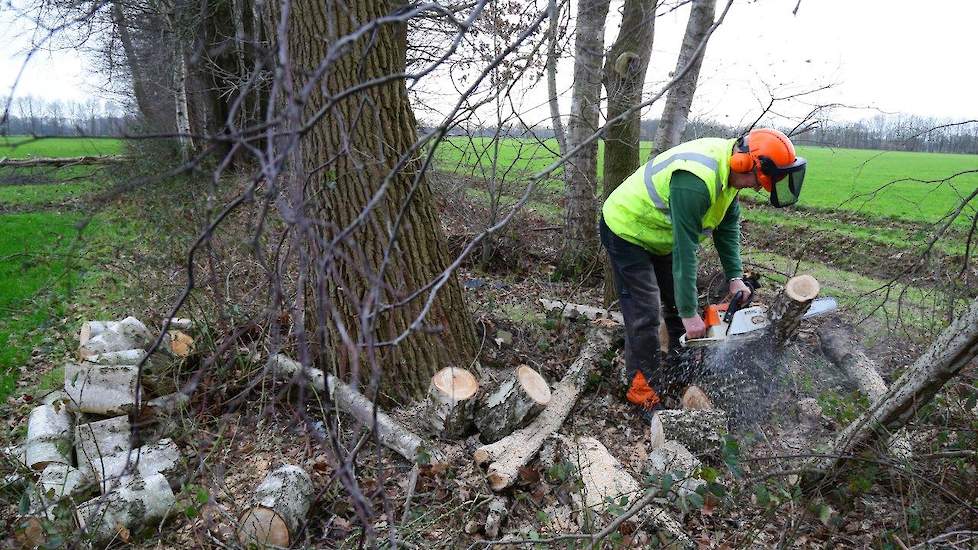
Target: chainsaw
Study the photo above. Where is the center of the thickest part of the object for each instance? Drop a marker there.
(738, 320)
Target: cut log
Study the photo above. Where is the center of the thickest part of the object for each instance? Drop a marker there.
(57, 482)
(181, 344)
(96, 440)
(279, 508)
(955, 348)
(674, 459)
(450, 402)
(101, 389)
(605, 483)
(162, 457)
(136, 506)
(789, 307)
(695, 399)
(516, 401)
(181, 323)
(506, 456)
(389, 432)
(48, 437)
(130, 330)
(574, 311)
(843, 352)
(700, 431)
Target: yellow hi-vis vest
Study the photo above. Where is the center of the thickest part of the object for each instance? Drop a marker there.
(638, 210)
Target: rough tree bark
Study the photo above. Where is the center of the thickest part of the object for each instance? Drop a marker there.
(624, 74)
(675, 114)
(347, 155)
(581, 171)
(954, 348)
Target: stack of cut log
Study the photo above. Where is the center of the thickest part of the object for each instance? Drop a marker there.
(81, 442)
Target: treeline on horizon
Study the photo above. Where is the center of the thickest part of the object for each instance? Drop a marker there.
(894, 132)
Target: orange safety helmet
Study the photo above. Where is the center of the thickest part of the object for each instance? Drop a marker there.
(771, 156)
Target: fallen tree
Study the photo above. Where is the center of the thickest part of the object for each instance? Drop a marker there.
(62, 162)
(954, 348)
(505, 457)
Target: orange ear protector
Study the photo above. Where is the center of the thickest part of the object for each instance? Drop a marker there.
(741, 161)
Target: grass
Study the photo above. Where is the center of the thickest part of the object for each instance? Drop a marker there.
(859, 181)
(22, 195)
(25, 146)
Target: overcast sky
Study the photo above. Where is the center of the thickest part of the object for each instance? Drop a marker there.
(880, 55)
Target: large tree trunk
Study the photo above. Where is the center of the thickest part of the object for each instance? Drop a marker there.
(552, 59)
(624, 75)
(581, 171)
(953, 349)
(672, 124)
(363, 284)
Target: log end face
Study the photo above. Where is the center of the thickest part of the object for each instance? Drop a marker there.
(802, 288)
(498, 481)
(263, 526)
(481, 456)
(534, 384)
(460, 384)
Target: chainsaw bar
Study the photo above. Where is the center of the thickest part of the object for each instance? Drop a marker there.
(746, 323)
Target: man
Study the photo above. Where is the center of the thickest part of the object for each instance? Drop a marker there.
(652, 225)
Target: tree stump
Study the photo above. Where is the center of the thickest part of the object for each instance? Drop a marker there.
(790, 306)
(450, 402)
(280, 505)
(513, 405)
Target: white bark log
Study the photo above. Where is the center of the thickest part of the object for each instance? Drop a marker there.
(48, 437)
(789, 307)
(162, 457)
(130, 328)
(390, 432)
(506, 456)
(675, 459)
(574, 311)
(181, 323)
(57, 482)
(280, 506)
(101, 389)
(955, 348)
(701, 431)
(521, 396)
(450, 402)
(136, 505)
(95, 441)
(675, 114)
(498, 510)
(864, 373)
(604, 479)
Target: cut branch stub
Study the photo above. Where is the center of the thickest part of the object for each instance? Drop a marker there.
(514, 404)
(280, 506)
(450, 402)
(48, 437)
(789, 307)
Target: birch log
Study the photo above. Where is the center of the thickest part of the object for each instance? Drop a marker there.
(699, 430)
(96, 440)
(279, 508)
(506, 456)
(101, 389)
(391, 433)
(789, 307)
(512, 405)
(605, 481)
(129, 328)
(136, 506)
(955, 348)
(840, 349)
(162, 457)
(450, 402)
(48, 437)
(57, 482)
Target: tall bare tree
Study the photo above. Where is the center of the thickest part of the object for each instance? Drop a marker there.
(377, 243)
(581, 172)
(672, 124)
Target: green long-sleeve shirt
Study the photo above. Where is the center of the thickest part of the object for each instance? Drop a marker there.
(689, 199)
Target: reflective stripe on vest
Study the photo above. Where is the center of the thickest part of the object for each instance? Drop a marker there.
(653, 169)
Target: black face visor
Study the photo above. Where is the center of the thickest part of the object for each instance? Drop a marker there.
(787, 180)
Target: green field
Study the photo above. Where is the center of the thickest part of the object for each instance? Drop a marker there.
(43, 253)
(846, 179)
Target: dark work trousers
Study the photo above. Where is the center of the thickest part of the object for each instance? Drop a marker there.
(644, 281)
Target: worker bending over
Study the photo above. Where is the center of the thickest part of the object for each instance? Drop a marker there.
(652, 225)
